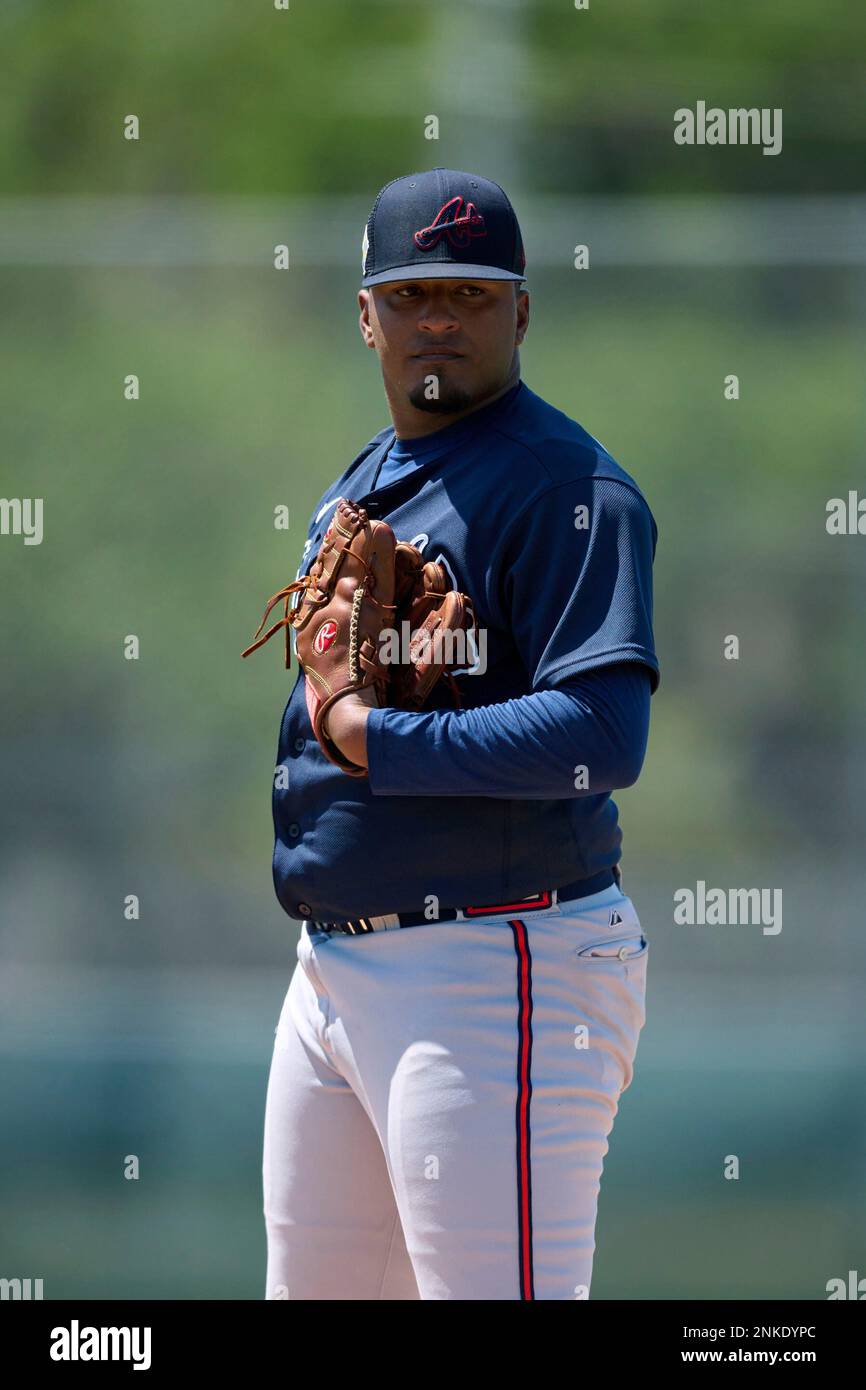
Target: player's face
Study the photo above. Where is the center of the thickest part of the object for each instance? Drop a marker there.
(445, 345)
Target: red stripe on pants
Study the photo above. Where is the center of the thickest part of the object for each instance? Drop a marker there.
(524, 1096)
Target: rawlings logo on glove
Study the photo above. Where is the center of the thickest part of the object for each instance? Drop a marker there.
(362, 582)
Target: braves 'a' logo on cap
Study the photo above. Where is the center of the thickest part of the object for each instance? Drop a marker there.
(453, 221)
(325, 637)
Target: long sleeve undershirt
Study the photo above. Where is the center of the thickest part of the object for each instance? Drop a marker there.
(531, 747)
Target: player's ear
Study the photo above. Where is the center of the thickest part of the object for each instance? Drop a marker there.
(522, 323)
(364, 300)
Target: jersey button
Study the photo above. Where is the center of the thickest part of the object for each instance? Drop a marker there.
(300, 745)
(305, 909)
(294, 829)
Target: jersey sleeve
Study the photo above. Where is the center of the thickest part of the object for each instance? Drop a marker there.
(575, 580)
(523, 749)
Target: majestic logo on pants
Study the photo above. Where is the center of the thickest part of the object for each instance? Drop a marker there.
(325, 637)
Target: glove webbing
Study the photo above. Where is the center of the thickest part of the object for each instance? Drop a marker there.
(291, 614)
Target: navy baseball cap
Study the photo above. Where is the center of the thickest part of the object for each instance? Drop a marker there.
(439, 225)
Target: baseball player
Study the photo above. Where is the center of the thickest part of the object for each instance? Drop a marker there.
(470, 985)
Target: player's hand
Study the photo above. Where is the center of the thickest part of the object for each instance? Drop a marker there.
(346, 724)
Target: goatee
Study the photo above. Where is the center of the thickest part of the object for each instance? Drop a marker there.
(450, 400)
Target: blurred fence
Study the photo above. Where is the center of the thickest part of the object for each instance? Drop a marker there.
(154, 1037)
(683, 231)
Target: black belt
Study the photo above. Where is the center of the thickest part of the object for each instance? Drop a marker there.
(532, 902)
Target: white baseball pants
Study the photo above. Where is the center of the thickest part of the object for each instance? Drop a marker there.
(439, 1104)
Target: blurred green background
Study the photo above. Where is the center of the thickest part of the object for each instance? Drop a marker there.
(153, 777)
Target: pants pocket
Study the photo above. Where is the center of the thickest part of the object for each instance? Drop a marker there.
(611, 973)
(623, 948)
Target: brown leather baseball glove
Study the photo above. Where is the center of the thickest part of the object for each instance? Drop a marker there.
(370, 612)
(429, 613)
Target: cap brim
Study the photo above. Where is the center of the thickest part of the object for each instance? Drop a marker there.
(439, 270)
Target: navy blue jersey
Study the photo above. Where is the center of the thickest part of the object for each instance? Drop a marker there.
(554, 543)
